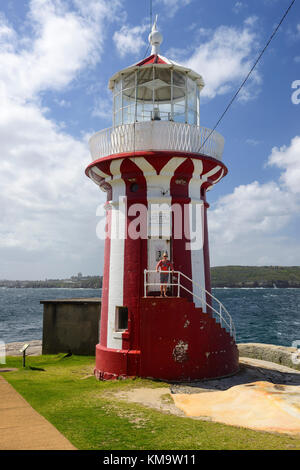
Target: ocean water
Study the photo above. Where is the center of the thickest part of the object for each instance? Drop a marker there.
(260, 315)
(269, 316)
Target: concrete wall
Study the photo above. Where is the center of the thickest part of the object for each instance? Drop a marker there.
(71, 325)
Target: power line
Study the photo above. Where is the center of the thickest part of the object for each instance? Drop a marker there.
(250, 72)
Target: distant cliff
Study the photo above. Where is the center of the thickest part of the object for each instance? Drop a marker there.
(256, 276)
(88, 282)
(221, 276)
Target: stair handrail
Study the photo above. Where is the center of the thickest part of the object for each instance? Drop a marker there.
(230, 325)
(222, 306)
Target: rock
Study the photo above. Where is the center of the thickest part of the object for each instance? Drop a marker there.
(262, 406)
(287, 356)
(34, 349)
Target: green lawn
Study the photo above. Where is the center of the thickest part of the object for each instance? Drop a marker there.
(83, 410)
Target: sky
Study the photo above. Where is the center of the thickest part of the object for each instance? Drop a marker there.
(56, 57)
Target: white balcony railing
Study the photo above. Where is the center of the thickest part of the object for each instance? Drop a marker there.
(155, 136)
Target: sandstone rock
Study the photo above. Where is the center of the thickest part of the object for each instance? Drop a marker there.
(261, 406)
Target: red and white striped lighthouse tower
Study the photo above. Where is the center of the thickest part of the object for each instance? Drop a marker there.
(156, 164)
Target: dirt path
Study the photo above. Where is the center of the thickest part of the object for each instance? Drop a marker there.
(23, 428)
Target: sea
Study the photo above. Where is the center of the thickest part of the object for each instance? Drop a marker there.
(260, 315)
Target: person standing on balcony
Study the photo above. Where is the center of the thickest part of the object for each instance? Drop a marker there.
(164, 265)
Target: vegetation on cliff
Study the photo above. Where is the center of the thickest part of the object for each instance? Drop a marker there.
(221, 276)
(255, 276)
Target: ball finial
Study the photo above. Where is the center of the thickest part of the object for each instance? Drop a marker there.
(155, 38)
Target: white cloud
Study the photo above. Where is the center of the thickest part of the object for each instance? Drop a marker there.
(64, 42)
(47, 203)
(253, 142)
(46, 200)
(62, 103)
(293, 33)
(248, 210)
(103, 108)
(172, 6)
(130, 39)
(288, 159)
(225, 60)
(238, 6)
(246, 226)
(251, 20)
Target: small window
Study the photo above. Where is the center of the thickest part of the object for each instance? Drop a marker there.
(121, 318)
(134, 187)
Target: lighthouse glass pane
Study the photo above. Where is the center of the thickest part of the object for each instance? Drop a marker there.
(118, 118)
(163, 94)
(191, 99)
(118, 102)
(179, 79)
(117, 86)
(144, 94)
(191, 85)
(144, 112)
(192, 117)
(128, 80)
(145, 74)
(128, 114)
(179, 113)
(165, 112)
(163, 74)
(128, 96)
(178, 93)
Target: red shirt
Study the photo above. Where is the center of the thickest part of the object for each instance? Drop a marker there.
(164, 265)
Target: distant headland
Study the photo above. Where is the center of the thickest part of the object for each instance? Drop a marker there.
(221, 276)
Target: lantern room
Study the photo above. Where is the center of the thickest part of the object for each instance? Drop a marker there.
(156, 90)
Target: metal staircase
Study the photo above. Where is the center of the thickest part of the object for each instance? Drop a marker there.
(209, 303)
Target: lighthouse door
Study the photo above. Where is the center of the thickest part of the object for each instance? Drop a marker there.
(156, 248)
(159, 240)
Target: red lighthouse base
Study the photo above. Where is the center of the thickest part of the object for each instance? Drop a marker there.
(178, 343)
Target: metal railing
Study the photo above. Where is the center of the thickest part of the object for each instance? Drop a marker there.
(221, 313)
(155, 136)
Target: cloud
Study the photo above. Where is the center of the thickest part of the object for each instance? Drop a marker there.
(47, 203)
(253, 142)
(225, 59)
(288, 159)
(130, 39)
(238, 6)
(246, 226)
(103, 108)
(63, 43)
(172, 6)
(293, 33)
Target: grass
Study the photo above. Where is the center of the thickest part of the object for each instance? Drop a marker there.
(87, 413)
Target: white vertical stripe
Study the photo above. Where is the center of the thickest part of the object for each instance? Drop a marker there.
(117, 248)
(197, 256)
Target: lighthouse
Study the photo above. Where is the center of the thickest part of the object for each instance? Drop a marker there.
(156, 164)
